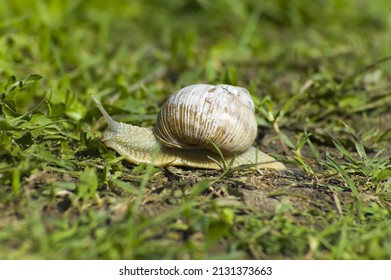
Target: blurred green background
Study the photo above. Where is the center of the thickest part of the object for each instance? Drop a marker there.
(80, 45)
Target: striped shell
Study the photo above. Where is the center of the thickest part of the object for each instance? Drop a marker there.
(197, 115)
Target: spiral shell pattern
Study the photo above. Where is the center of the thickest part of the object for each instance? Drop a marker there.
(198, 115)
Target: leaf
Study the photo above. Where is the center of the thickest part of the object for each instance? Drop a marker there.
(5, 125)
(286, 140)
(125, 186)
(359, 147)
(33, 78)
(37, 121)
(76, 111)
(71, 186)
(47, 156)
(223, 165)
(9, 99)
(266, 109)
(216, 230)
(341, 148)
(10, 82)
(13, 87)
(228, 215)
(384, 174)
(88, 184)
(200, 187)
(302, 163)
(331, 163)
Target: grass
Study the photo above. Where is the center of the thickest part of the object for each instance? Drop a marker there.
(319, 75)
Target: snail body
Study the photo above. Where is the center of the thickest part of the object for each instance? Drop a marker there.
(189, 122)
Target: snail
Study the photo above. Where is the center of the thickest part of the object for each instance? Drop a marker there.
(191, 124)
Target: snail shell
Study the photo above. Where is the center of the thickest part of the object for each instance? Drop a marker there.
(198, 115)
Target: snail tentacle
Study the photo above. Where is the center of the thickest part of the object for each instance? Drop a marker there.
(113, 125)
